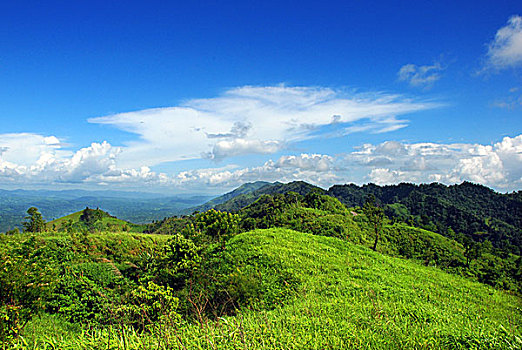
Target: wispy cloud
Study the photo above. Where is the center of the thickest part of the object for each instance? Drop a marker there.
(511, 101)
(505, 51)
(251, 120)
(420, 76)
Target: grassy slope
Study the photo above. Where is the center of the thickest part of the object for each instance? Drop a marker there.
(349, 297)
(75, 217)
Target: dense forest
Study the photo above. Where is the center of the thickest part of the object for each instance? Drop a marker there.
(461, 212)
(273, 266)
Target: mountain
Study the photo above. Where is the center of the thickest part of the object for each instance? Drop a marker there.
(243, 189)
(243, 200)
(457, 211)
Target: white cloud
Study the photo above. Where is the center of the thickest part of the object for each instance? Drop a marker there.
(32, 158)
(498, 166)
(314, 168)
(229, 148)
(420, 76)
(505, 50)
(315, 162)
(96, 164)
(26, 148)
(250, 120)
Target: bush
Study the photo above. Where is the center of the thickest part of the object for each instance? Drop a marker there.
(238, 277)
(146, 305)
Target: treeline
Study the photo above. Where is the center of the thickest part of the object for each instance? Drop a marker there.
(460, 211)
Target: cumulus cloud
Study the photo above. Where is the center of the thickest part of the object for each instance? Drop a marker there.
(229, 148)
(33, 158)
(420, 76)
(250, 119)
(505, 51)
(314, 168)
(97, 164)
(498, 165)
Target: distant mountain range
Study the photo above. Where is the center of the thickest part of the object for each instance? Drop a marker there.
(136, 207)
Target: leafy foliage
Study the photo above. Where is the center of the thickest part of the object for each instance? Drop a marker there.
(346, 296)
(34, 221)
(456, 211)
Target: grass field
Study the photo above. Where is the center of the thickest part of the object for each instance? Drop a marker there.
(347, 296)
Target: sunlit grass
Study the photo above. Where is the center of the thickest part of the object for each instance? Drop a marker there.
(348, 297)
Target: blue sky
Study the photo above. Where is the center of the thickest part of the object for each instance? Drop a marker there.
(184, 96)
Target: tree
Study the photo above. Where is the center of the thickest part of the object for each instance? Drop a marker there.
(35, 222)
(217, 225)
(375, 216)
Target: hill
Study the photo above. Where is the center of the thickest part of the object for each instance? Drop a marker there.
(93, 219)
(131, 206)
(324, 215)
(304, 291)
(241, 190)
(460, 212)
(455, 211)
(242, 200)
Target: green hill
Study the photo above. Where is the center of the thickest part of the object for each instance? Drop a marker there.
(325, 293)
(350, 297)
(289, 270)
(102, 221)
(323, 215)
(245, 199)
(460, 212)
(241, 190)
(456, 211)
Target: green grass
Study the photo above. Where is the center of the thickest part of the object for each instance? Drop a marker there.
(347, 297)
(107, 221)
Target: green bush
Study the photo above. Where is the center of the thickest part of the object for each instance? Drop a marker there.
(145, 305)
(236, 278)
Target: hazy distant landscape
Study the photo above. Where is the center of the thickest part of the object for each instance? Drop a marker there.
(132, 206)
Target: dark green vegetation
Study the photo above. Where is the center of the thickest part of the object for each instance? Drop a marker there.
(244, 189)
(461, 212)
(236, 200)
(455, 211)
(289, 270)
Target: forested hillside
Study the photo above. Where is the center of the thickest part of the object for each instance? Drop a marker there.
(290, 269)
(461, 212)
(455, 211)
(233, 201)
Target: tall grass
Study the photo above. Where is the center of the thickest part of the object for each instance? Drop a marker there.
(349, 297)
